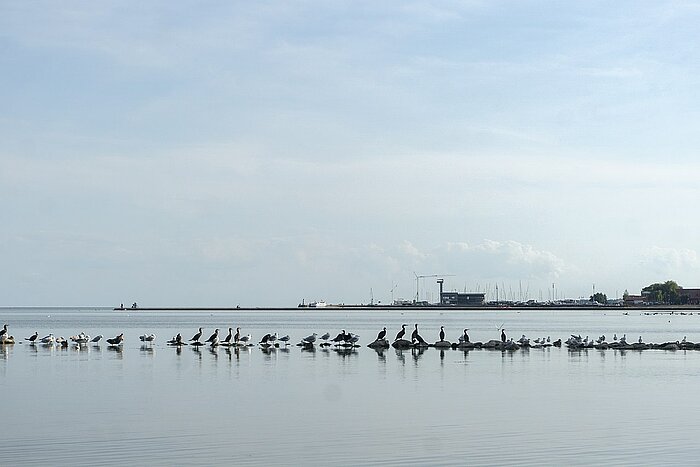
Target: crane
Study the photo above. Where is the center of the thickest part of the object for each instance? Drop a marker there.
(423, 276)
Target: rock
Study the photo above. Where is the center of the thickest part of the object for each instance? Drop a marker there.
(402, 344)
(442, 344)
(379, 344)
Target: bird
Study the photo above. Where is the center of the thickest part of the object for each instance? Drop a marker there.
(382, 334)
(237, 336)
(465, 336)
(48, 339)
(97, 338)
(503, 335)
(80, 339)
(273, 338)
(245, 339)
(284, 339)
(197, 336)
(401, 333)
(229, 336)
(326, 336)
(32, 338)
(264, 339)
(147, 337)
(353, 338)
(4, 331)
(214, 338)
(442, 333)
(176, 340)
(415, 337)
(615, 337)
(640, 339)
(310, 339)
(116, 340)
(340, 337)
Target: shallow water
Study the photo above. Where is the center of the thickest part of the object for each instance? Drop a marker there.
(160, 406)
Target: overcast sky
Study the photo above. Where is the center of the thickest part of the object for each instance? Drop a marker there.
(261, 153)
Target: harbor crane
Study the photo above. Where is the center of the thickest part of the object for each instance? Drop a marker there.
(423, 276)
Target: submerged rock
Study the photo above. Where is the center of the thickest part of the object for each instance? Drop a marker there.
(442, 344)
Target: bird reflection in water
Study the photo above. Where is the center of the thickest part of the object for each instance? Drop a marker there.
(213, 350)
(417, 352)
(442, 357)
(400, 356)
(147, 349)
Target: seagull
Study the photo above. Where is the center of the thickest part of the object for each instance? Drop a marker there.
(97, 338)
(176, 340)
(147, 337)
(310, 339)
(48, 339)
(284, 339)
(382, 334)
(326, 336)
(32, 338)
(116, 340)
(197, 336)
(273, 338)
(245, 339)
(80, 339)
(353, 338)
(401, 333)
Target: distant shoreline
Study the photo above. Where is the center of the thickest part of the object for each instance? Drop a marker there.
(652, 308)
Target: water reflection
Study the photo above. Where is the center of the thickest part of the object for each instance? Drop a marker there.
(381, 356)
(147, 349)
(417, 353)
(400, 356)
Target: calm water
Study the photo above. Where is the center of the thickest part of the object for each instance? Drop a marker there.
(160, 406)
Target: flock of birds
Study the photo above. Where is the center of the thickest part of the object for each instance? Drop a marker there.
(345, 339)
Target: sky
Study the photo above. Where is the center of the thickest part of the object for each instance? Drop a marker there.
(263, 153)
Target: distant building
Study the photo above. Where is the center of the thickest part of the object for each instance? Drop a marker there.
(689, 296)
(634, 299)
(462, 299)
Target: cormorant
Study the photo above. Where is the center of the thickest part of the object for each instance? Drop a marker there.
(442, 333)
(197, 336)
(401, 333)
(214, 336)
(503, 335)
(381, 334)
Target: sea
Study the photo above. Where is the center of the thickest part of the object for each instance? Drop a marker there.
(152, 404)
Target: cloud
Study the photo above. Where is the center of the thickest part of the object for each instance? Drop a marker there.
(670, 262)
